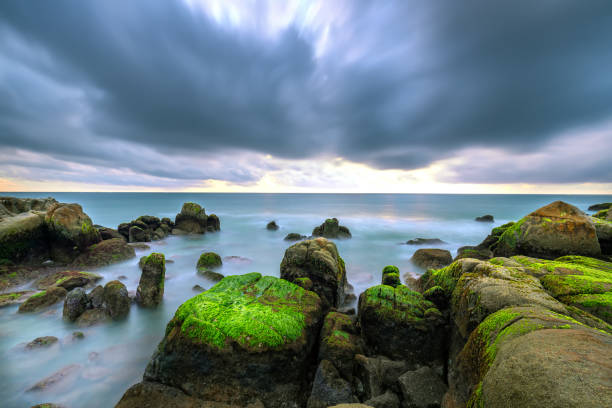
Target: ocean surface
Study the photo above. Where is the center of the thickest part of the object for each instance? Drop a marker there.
(113, 356)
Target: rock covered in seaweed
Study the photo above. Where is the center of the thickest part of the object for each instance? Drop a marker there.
(318, 260)
(151, 286)
(331, 229)
(193, 220)
(248, 337)
(43, 299)
(105, 253)
(209, 260)
(146, 228)
(116, 299)
(391, 276)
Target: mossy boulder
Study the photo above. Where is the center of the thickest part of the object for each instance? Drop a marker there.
(331, 229)
(209, 260)
(446, 278)
(431, 258)
(7, 299)
(318, 260)
(151, 286)
(391, 276)
(116, 299)
(401, 324)
(75, 304)
(43, 299)
(474, 252)
(68, 280)
(23, 237)
(554, 230)
(248, 337)
(105, 253)
(340, 342)
(600, 206)
(210, 275)
(533, 357)
(193, 220)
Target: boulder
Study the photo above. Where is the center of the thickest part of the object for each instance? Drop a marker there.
(23, 238)
(192, 219)
(105, 253)
(431, 258)
(422, 388)
(485, 218)
(10, 206)
(116, 299)
(474, 252)
(272, 226)
(318, 260)
(145, 228)
(329, 388)
(137, 234)
(331, 229)
(554, 230)
(68, 280)
(391, 276)
(209, 260)
(70, 231)
(91, 317)
(151, 286)
(425, 241)
(109, 233)
(43, 299)
(294, 236)
(339, 343)
(413, 327)
(377, 374)
(75, 304)
(602, 206)
(213, 223)
(248, 337)
(95, 298)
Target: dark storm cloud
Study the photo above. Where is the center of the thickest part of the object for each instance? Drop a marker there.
(397, 86)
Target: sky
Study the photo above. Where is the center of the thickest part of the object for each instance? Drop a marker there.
(306, 96)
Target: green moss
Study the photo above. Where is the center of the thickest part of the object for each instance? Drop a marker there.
(475, 400)
(498, 231)
(400, 304)
(599, 305)
(12, 275)
(9, 296)
(391, 279)
(209, 260)
(512, 234)
(446, 277)
(251, 310)
(390, 269)
(39, 294)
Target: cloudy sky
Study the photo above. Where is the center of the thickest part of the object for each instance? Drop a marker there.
(298, 96)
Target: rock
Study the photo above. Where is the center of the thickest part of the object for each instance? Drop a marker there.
(386, 400)
(8, 299)
(210, 275)
(151, 286)
(378, 374)
(75, 304)
(603, 229)
(272, 226)
(139, 246)
(437, 296)
(318, 260)
(209, 260)
(294, 236)
(78, 335)
(331, 229)
(116, 299)
(422, 388)
(237, 260)
(95, 298)
(68, 280)
(92, 317)
(351, 406)
(425, 241)
(213, 223)
(391, 276)
(248, 337)
(71, 231)
(554, 230)
(105, 253)
(329, 388)
(474, 252)
(192, 219)
(413, 327)
(431, 258)
(145, 228)
(43, 299)
(340, 343)
(137, 234)
(23, 237)
(198, 288)
(39, 342)
(48, 405)
(62, 376)
(602, 206)
(484, 218)
(109, 233)
(150, 394)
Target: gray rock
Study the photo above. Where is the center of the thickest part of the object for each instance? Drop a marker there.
(422, 388)
(387, 400)
(329, 388)
(75, 304)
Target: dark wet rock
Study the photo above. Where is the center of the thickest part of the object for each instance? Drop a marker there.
(68, 280)
(378, 374)
(23, 237)
(123, 277)
(413, 327)
(139, 246)
(151, 286)
(146, 228)
(198, 288)
(387, 400)
(318, 260)
(105, 253)
(213, 223)
(193, 220)
(329, 388)
(116, 299)
(75, 304)
(431, 258)
(137, 234)
(12, 298)
(293, 236)
(258, 348)
(60, 377)
(272, 226)
(109, 233)
(485, 218)
(391, 276)
(210, 275)
(91, 317)
(599, 207)
(44, 299)
(474, 252)
(340, 342)
(151, 394)
(425, 241)
(41, 342)
(209, 260)
(422, 388)
(554, 230)
(331, 229)
(95, 298)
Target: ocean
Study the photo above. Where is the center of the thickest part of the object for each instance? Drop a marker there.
(113, 356)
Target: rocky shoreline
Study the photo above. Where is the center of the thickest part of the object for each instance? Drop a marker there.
(522, 319)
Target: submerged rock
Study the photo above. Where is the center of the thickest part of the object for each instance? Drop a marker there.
(319, 261)
(60, 377)
(92, 317)
(431, 258)
(249, 337)
(39, 342)
(425, 241)
(151, 286)
(210, 275)
(331, 229)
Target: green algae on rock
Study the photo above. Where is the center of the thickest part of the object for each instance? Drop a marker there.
(105, 253)
(209, 260)
(151, 285)
(391, 276)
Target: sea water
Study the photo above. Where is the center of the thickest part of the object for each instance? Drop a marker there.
(111, 357)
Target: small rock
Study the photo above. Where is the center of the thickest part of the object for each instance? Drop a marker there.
(293, 236)
(123, 277)
(272, 226)
(331, 229)
(39, 342)
(422, 388)
(91, 317)
(139, 246)
(425, 241)
(211, 275)
(78, 335)
(485, 218)
(431, 258)
(209, 260)
(61, 376)
(198, 288)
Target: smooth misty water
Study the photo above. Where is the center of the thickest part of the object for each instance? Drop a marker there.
(113, 356)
